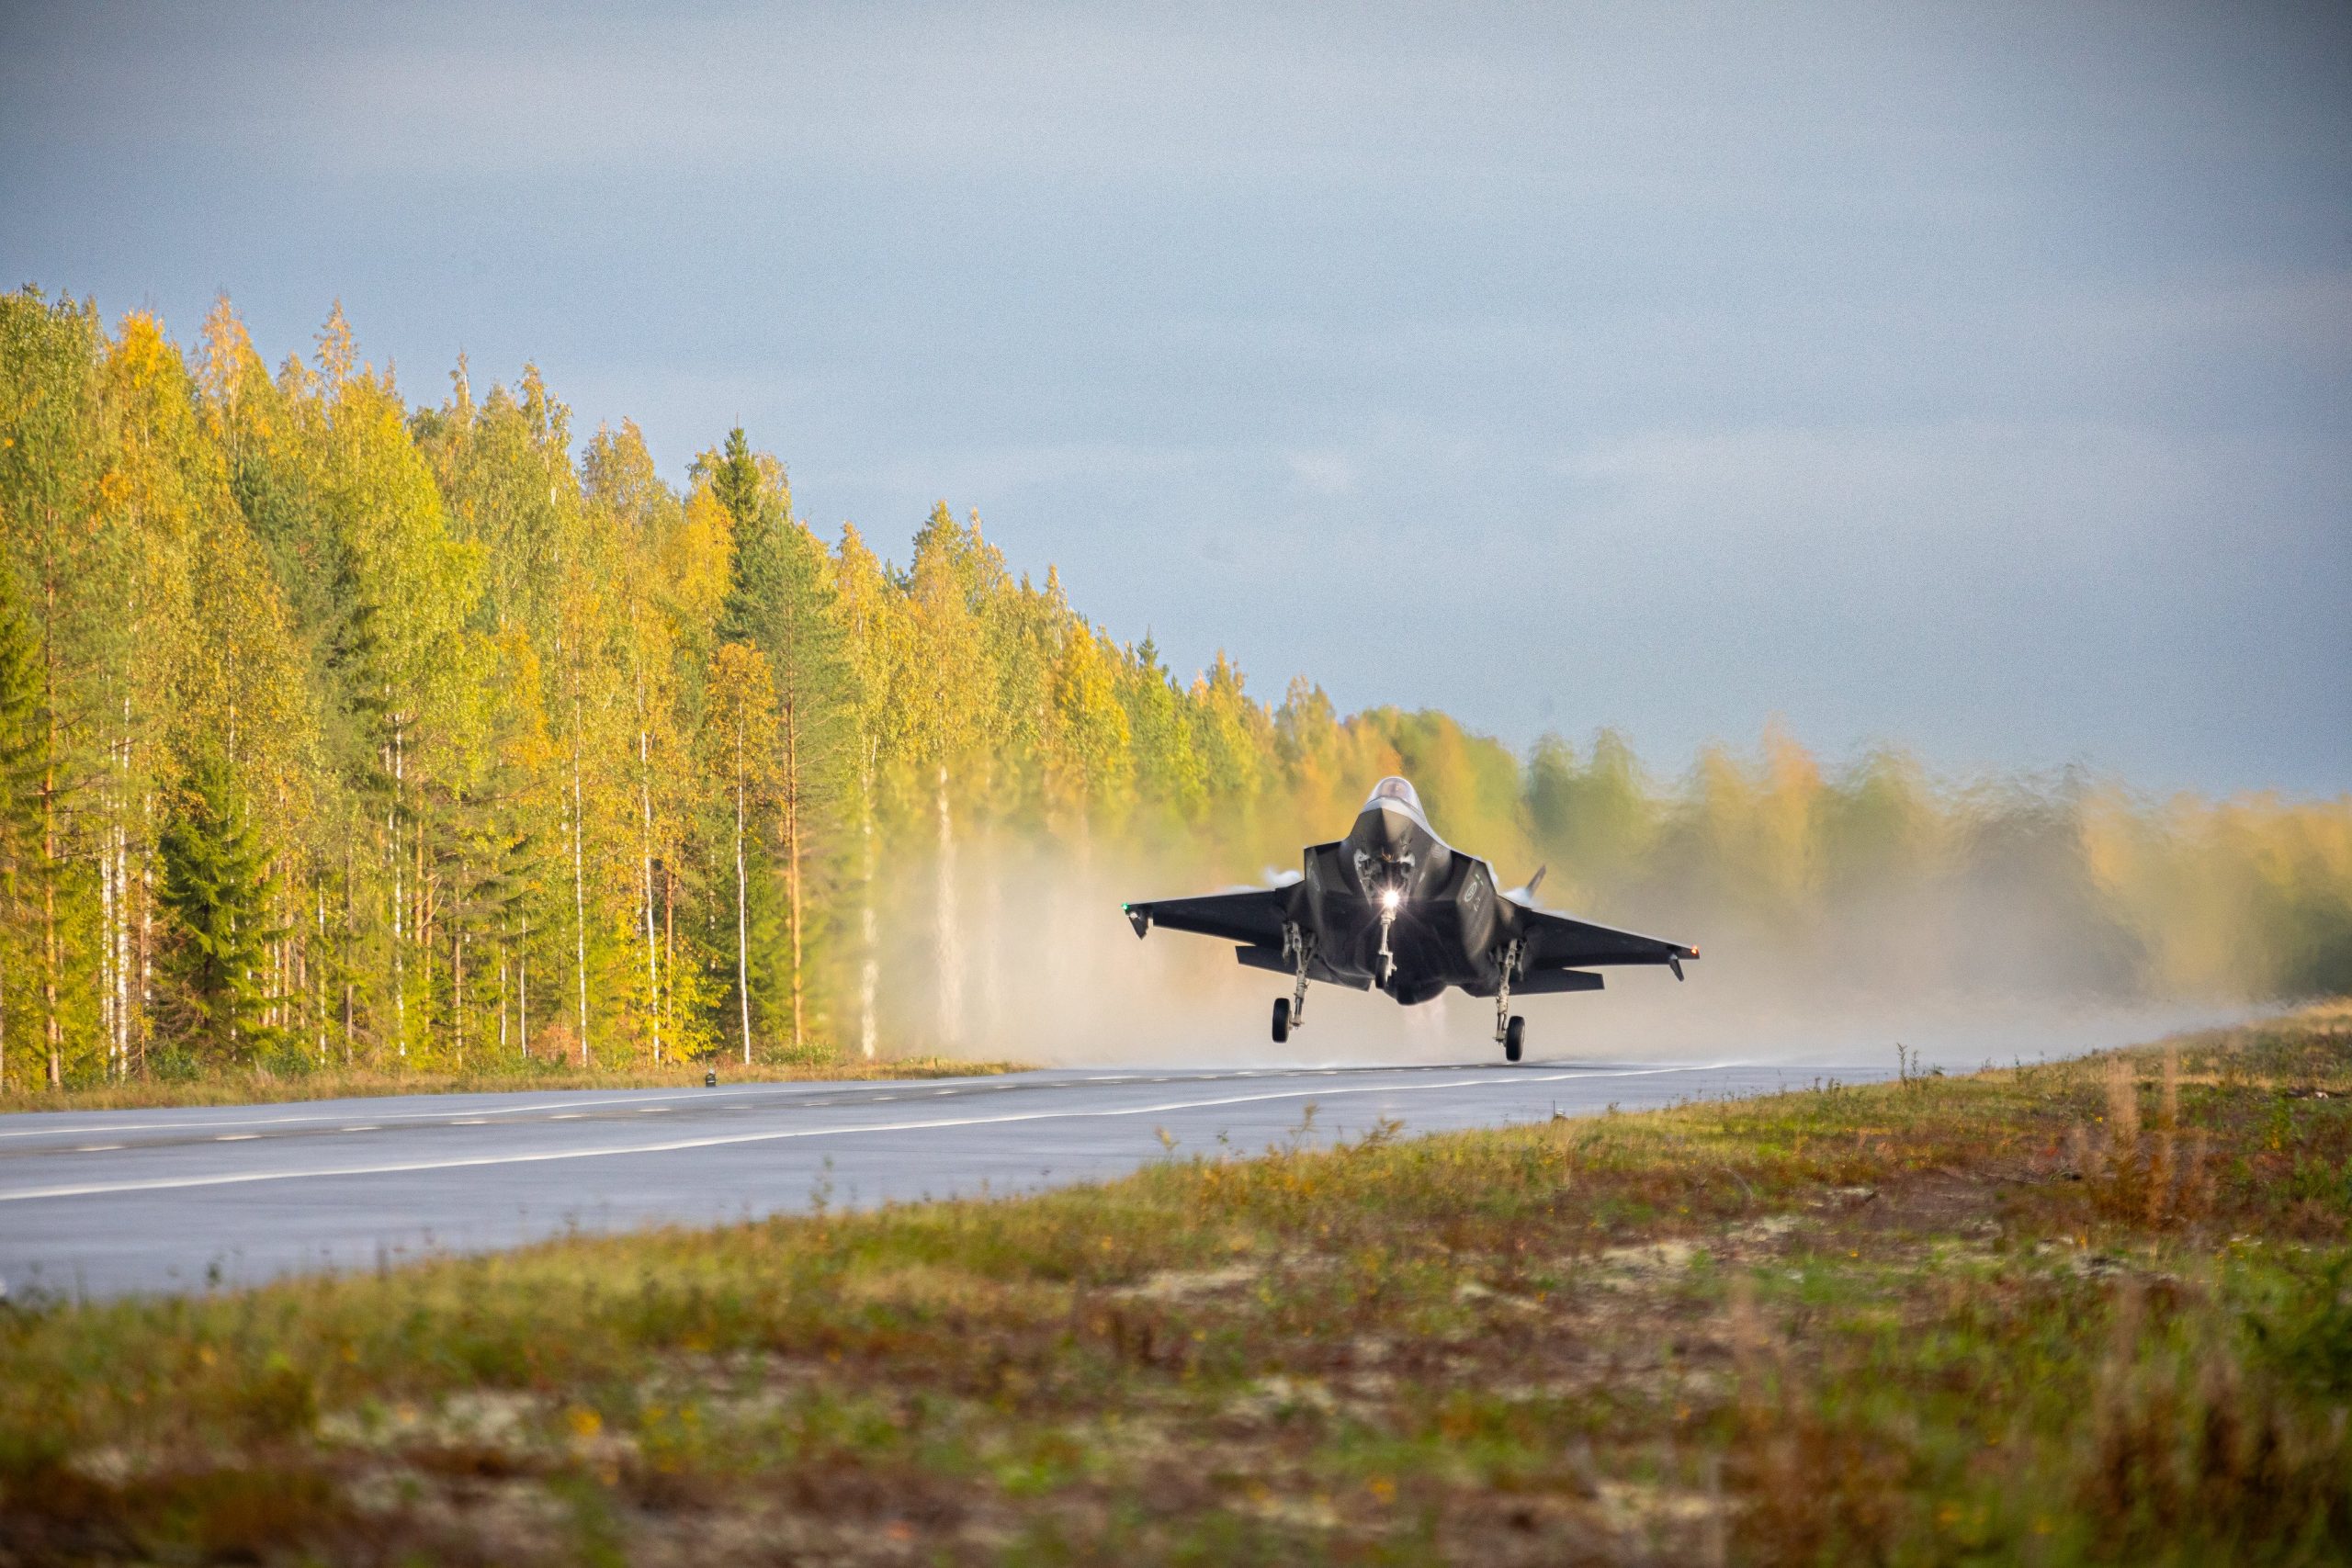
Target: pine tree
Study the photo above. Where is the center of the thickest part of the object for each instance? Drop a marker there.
(782, 600)
(217, 889)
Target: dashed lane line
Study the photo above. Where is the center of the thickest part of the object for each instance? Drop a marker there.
(815, 1089)
(164, 1184)
(788, 1089)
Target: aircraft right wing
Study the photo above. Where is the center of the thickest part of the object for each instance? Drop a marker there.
(1560, 942)
(1253, 918)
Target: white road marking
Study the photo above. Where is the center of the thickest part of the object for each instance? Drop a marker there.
(361, 1127)
(470, 1121)
(617, 1097)
(236, 1137)
(165, 1184)
(96, 1148)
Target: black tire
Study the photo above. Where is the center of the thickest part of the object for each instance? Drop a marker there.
(1513, 1036)
(1282, 1020)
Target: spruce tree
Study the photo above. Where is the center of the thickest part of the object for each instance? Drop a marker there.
(780, 599)
(218, 888)
(735, 480)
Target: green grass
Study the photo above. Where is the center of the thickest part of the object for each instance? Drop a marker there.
(2096, 1311)
(252, 1086)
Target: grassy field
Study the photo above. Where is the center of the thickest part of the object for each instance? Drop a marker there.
(2089, 1312)
(255, 1087)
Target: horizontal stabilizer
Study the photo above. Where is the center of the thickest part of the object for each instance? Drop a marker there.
(1543, 982)
(1271, 960)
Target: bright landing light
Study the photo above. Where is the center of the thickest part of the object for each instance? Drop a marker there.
(1388, 900)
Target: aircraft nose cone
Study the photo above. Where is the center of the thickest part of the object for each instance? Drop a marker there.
(1378, 829)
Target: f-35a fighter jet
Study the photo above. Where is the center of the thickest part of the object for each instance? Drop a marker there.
(1392, 905)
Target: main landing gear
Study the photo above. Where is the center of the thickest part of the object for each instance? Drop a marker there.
(1511, 1030)
(1290, 1012)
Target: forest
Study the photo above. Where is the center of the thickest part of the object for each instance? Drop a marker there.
(337, 729)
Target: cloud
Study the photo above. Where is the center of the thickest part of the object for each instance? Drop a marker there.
(1325, 473)
(1976, 376)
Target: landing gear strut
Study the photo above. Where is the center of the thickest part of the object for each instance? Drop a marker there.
(1509, 1029)
(1290, 1012)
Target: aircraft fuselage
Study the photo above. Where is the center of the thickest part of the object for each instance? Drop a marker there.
(1393, 908)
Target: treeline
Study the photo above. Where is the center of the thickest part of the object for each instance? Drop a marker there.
(336, 729)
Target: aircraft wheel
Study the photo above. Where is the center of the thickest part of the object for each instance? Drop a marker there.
(1512, 1038)
(1282, 1020)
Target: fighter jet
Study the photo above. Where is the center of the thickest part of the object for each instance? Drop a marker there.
(1392, 905)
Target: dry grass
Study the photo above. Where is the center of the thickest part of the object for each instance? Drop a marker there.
(2097, 1311)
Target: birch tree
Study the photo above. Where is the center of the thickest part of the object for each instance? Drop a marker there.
(738, 747)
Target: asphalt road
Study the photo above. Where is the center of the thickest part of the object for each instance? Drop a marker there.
(99, 1204)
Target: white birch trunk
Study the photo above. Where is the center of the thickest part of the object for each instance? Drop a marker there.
(951, 936)
(106, 949)
(399, 902)
(146, 927)
(579, 880)
(742, 922)
(792, 853)
(992, 937)
(523, 992)
(645, 797)
(869, 973)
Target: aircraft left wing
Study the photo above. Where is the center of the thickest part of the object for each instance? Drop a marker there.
(1253, 918)
(1559, 942)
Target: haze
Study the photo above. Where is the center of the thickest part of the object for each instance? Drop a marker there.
(1974, 378)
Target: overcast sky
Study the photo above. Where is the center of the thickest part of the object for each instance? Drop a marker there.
(1966, 376)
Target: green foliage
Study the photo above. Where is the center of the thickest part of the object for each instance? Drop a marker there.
(22, 863)
(20, 743)
(217, 888)
(463, 668)
(2307, 1333)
